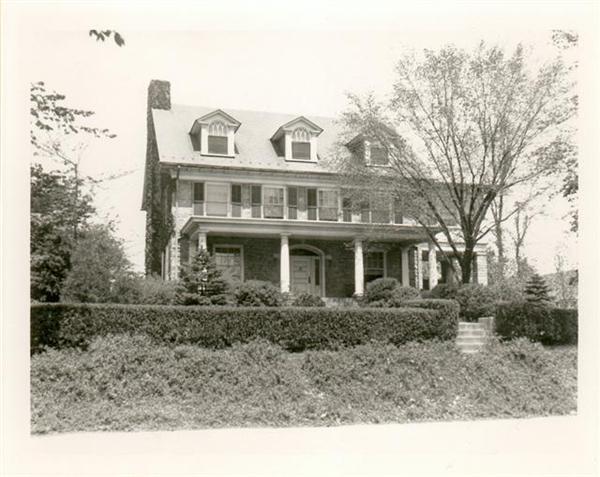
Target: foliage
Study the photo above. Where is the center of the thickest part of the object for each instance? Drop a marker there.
(102, 35)
(444, 291)
(308, 299)
(475, 301)
(133, 383)
(449, 309)
(257, 293)
(548, 325)
(402, 294)
(201, 282)
(57, 212)
(380, 289)
(475, 122)
(97, 262)
(153, 290)
(536, 290)
(295, 329)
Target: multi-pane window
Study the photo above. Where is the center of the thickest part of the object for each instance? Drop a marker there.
(198, 199)
(216, 199)
(217, 138)
(398, 211)
(236, 200)
(228, 260)
(311, 203)
(374, 265)
(347, 209)
(328, 205)
(301, 144)
(365, 211)
(256, 200)
(379, 156)
(380, 210)
(292, 203)
(273, 202)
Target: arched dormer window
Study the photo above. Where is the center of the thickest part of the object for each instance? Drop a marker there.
(217, 138)
(301, 144)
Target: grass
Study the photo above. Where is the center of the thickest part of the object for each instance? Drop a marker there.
(131, 383)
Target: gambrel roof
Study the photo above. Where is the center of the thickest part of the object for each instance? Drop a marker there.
(252, 138)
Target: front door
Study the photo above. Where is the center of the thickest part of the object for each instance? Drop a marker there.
(303, 275)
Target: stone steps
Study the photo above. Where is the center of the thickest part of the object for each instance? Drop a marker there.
(472, 336)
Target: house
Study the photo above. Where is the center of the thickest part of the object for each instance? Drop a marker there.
(253, 188)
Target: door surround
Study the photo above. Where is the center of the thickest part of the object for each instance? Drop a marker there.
(319, 253)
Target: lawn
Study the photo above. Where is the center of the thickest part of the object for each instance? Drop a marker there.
(132, 383)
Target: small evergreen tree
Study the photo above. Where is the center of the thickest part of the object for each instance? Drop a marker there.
(536, 290)
(202, 282)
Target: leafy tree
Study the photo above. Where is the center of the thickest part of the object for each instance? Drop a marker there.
(462, 128)
(102, 35)
(201, 282)
(536, 290)
(98, 261)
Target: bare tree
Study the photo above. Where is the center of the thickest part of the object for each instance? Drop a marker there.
(461, 129)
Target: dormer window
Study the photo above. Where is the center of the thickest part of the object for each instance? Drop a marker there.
(378, 155)
(217, 138)
(297, 140)
(301, 144)
(214, 134)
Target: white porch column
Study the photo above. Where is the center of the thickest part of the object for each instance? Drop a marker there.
(284, 264)
(433, 271)
(202, 241)
(418, 269)
(359, 273)
(405, 276)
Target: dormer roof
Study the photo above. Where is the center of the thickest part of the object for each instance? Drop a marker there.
(217, 114)
(300, 121)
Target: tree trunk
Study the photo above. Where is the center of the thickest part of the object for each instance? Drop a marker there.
(466, 263)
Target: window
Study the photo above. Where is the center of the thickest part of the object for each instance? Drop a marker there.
(379, 156)
(273, 199)
(228, 259)
(301, 144)
(398, 211)
(236, 200)
(347, 209)
(292, 203)
(198, 198)
(328, 205)
(375, 266)
(256, 199)
(380, 210)
(365, 211)
(217, 138)
(311, 203)
(216, 199)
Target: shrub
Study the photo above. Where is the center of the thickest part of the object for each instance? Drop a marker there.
(155, 291)
(402, 294)
(68, 325)
(380, 289)
(202, 282)
(308, 299)
(545, 324)
(536, 290)
(449, 309)
(257, 293)
(475, 301)
(444, 290)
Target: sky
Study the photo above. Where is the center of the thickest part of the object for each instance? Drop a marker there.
(304, 69)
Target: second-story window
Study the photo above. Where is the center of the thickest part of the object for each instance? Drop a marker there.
(256, 199)
(301, 144)
(347, 209)
(273, 200)
(328, 205)
(198, 198)
(311, 203)
(217, 138)
(217, 196)
(398, 211)
(292, 203)
(236, 200)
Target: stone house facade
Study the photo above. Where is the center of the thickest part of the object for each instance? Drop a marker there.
(254, 190)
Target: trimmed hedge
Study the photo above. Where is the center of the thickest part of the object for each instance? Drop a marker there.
(450, 309)
(295, 329)
(546, 324)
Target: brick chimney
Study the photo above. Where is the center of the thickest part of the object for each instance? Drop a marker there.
(159, 95)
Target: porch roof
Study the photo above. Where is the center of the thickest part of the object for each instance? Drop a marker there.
(306, 229)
